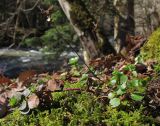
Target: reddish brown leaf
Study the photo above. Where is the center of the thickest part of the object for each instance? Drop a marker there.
(13, 85)
(4, 80)
(26, 75)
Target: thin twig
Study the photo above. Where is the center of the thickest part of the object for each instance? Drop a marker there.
(79, 57)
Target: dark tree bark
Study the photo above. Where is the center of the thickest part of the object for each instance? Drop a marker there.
(86, 28)
(123, 24)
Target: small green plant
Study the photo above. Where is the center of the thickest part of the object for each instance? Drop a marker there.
(125, 85)
(157, 68)
(73, 61)
(75, 67)
(139, 59)
(13, 102)
(33, 88)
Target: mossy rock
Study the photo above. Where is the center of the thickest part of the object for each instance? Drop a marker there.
(151, 50)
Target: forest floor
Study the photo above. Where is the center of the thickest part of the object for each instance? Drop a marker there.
(110, 91)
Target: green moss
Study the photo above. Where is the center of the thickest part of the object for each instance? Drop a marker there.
(151, 50)
(80, 15)
(74, 108)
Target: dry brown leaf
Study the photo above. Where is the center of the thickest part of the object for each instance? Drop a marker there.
(13, 85)
(52, 85)
(2, 100)
(33, 101)
(1, 89)
(26, 75)
(56, 76)
(4, 80)
(43, 75)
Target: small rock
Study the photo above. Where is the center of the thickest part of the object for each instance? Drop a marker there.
(141, 68)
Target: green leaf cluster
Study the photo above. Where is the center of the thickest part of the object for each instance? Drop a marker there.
(126, 85)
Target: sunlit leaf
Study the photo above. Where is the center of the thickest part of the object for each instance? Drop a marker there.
(123, 79)
(111, 95)
(113, 81)
(84, 77)
(134, 73)
(123, 86)
(117, 73)
(73, 61)
(33, 88)
(76, 73)
(120, 92)
(125, 102)
(15, 99)
(137, 97)
(13, 102)
(135, 83)
(115, 102)
(129, 67)
(139, 59)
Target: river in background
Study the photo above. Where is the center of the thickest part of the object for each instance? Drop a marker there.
(14, 61)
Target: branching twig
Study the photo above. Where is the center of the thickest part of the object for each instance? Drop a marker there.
(32, 8)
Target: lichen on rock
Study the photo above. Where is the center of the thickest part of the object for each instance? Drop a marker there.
(151, 50)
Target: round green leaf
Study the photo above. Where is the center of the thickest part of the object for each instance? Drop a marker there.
(84, 77)
(115, 102)
(136, 97)
(120, 92)
(113, 81)
(73, 61)
(135, 83)
(123, 79)
(117, 73)
(111, 95)
(134, 73)
(123, 86)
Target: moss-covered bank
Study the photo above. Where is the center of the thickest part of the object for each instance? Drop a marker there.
(151, 50)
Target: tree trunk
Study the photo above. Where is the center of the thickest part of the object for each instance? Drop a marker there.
(85, 26)
(123, 24)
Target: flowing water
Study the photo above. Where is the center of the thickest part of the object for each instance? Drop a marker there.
(13, 61)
